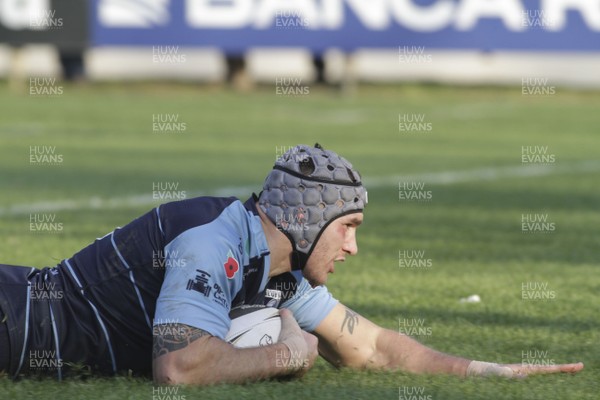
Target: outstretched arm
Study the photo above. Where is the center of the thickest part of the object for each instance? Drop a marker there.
(348, 339)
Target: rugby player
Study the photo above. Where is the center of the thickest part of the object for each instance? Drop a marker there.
(154, 297)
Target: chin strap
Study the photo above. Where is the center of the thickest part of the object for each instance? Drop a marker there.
(298, 260)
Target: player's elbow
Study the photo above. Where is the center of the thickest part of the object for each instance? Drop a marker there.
(362, 359)
(352, 356)
(369, 355)
(174, 369)
(167, 370)
(168, 377)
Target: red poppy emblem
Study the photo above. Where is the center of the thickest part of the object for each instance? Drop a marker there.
(231, 265)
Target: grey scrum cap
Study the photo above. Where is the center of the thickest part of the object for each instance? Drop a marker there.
(308, 188)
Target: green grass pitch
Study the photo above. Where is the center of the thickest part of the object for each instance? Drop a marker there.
(468, 231)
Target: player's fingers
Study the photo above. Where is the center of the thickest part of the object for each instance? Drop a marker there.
(312, 352)
(284, 312)
(288, 323)
(299, 343)
(287, 315)
(551, 369)
(575, 367)
(312, 342)
(524, 370)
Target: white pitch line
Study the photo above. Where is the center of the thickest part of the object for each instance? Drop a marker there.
(97, 203)
(439, 178)
(486, 174)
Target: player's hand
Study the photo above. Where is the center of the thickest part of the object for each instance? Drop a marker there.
(524, 370)
(313, 351)
(302, 345)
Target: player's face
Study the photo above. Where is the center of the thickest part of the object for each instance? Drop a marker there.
(336, 242)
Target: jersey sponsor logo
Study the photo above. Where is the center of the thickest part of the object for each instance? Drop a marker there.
(249, 270)
(219, 295)
(231, 265)
(274, 296)
(200, 283)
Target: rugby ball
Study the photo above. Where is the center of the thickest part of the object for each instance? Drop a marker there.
(253, 326)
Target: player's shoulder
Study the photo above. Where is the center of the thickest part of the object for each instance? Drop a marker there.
(224, 235)
(180, 216)
(198, 209)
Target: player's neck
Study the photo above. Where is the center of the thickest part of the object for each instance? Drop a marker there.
(279, 246)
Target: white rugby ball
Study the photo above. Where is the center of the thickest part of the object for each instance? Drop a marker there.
(254, 326)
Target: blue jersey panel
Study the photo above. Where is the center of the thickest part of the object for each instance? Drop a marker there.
(310, 305)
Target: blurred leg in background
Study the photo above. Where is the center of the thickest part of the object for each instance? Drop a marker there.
(72, 65)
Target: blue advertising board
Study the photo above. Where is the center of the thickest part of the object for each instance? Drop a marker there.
(237, 25)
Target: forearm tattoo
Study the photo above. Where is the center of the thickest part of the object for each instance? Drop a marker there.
(350, 321)
(171, 337)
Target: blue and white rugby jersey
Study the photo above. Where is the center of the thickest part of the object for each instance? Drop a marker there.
(187, 262)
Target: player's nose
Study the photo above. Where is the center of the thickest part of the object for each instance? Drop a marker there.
(350, 245)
